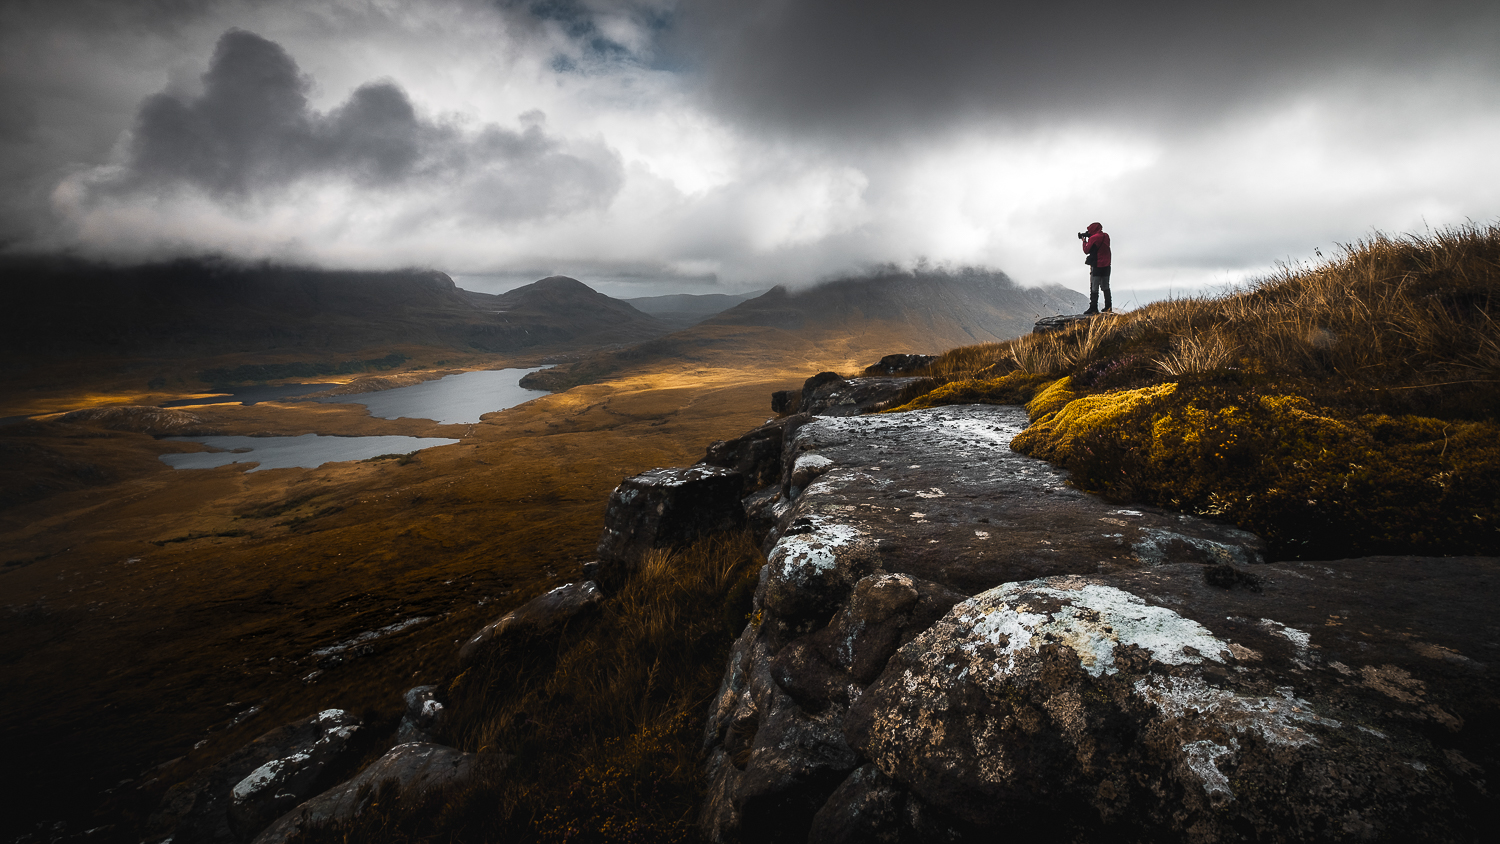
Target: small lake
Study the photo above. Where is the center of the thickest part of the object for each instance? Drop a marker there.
(308, 451)
(451, 400)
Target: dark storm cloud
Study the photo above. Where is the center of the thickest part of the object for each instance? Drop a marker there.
(252, 130)
(894, 65)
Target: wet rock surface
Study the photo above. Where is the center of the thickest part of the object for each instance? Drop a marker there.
(541, 616)
(664, 508)
(949, 641)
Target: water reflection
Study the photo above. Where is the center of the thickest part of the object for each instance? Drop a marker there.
(308, 451)
(453, 399)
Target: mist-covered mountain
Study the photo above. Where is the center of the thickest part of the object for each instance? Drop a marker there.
(930, 312)
(856, 318)
(687, 309)
(51, 308)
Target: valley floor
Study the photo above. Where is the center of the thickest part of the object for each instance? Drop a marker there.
(157, 622)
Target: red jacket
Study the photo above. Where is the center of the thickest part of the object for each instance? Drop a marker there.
(1097, 240)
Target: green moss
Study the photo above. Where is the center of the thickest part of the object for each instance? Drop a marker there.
(1013, 388)
(1314, 483)
(1051, 399)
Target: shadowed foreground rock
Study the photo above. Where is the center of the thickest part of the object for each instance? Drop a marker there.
(235, 798)
(408, 769)
(664, 508)
(1118, 673)
(541, 616)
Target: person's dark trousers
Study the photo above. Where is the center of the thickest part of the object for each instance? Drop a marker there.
(1099, 280)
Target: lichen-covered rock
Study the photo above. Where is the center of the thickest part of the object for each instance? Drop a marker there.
(664, 508)
(409, 769)
(281, 783)
(541, 616)
(423, 716)
(198, 809)
(1121, 703)
(1162, 706)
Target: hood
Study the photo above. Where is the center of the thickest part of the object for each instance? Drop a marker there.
(1094, 228)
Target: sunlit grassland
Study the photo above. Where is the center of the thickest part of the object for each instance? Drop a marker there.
(1338, 409)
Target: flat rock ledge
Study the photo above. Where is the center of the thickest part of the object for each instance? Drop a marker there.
(950, 642)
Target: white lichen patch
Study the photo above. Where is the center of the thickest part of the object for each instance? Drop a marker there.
(1151, 548)
(799, 555)
(982, 534)
(1093, 621)
(811, 464)
(1277, 720)
(267, 775)
(1202, 757)
(1299, 639)
(932, 493)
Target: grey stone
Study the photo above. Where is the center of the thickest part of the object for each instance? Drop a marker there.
(1058, 322)
(1160, 704)
(541, 616)
(423, 716)
(410, 769)
(899, 364)
(756, 456)
(198, 809)
(856, 396)
(285, 781)
(665, 508)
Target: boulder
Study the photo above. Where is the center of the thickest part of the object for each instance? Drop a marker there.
(899, 364)
(665, 508)
(855, 396)
(199, 809)
(281, 783)
(756, 456)
(423, 716)
(785, 402)
(409, 769)
(1346, 700)
(1058, 322)
(541, 616)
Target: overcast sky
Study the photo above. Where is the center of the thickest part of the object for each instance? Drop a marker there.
(650, 146)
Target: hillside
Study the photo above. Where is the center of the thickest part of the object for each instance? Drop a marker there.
(684, 310)
(853, 320)
(55, 309)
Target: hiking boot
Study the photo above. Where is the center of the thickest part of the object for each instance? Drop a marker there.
(1091, 312)
(1107, 310)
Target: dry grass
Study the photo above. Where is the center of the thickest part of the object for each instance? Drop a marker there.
(1337, 409)
(604, 722)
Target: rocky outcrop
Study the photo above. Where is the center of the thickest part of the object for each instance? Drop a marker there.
(1168, 707)
(541, 616)
(664, 508)
(948, 640)
(756, 456)
(235, 798)
(1058, 322)
(899, 364)
(837, 396)
(423, 717)
(405, 771)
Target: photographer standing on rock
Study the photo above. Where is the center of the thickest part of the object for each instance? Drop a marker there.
(1096, 245)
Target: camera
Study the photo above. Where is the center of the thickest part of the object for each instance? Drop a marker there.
(1083, 235)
